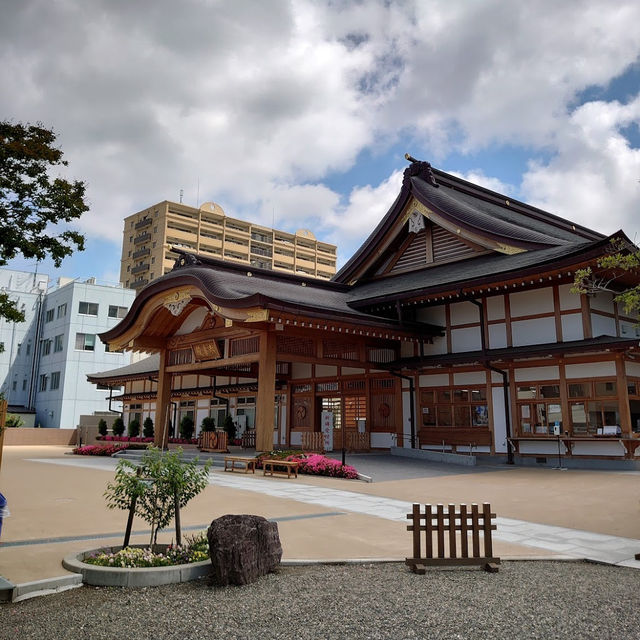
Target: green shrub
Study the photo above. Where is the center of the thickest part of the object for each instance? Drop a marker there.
(117, 427)
(134, 428)
(186, 428)
(230, 427)
(147, 428)
(102, 427)
(13, 420)
(208, 424)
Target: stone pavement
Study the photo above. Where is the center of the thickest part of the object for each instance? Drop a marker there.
(57, 507)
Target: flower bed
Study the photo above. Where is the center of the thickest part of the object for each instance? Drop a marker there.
(99, 450)
(141, 439)
(312, 464)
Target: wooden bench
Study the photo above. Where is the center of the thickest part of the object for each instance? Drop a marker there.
(247, 464)
(291, 466)
(434, 521)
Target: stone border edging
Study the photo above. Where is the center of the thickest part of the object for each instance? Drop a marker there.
(435, 456)
(145, 577)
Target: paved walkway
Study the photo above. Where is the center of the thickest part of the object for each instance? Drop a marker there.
(570, 542)
(57, 508)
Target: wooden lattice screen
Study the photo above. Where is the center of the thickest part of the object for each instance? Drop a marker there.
(436, 522)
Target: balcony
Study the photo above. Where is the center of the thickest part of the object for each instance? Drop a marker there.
(143, 237)
(141, 253)
(140, 268)
(138, 284)
(143, 224)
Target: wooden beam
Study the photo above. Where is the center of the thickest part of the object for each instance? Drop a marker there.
(213, 364)
(149, 342)
(163, 403)
(265, 406)
(586, 316)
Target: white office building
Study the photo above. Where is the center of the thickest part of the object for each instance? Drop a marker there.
(57, 345)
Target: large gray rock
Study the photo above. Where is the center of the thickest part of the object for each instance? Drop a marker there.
(243, 548)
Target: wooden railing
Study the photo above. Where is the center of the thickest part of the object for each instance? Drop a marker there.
(248, 440)
(312, 441)
(357, 441)
(452, 549)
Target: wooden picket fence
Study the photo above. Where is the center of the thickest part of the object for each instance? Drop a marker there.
(313, 441)
(473, 526)
(248, 440)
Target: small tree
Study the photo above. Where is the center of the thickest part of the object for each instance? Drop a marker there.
(186, 428)
(163, 485)
(208, 424)
(118, 426)
(102, 427)
(13, 420)
(147, 427)
(230, 427)
(134, 428)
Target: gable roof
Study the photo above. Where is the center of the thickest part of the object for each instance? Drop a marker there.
(480, 215)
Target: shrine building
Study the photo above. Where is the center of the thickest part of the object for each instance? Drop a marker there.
(453, 327)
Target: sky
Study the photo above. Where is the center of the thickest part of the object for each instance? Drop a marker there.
(297, 114)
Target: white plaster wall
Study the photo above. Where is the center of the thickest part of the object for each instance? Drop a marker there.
(326, 371)
(602, 301)
(602, 326)
(496, 377)
(201, 414)
(296, 438)
(568, 300)
(466, 339)
(300, 370)
(536, 331)
(406, 419)
(381, 440)
(633, 368)
(433, 315)
(470, 377)
(629, 330)
(350, 371)
(537, 373)
(572, 327)
(526, 303)
(547, 448)
(283, 420)
(495, 308)
(464, 313)
(497, 336)
(439, 346)
(598, 448)
(434, 380)
(193, 321)
(591, 370)
(499, 421)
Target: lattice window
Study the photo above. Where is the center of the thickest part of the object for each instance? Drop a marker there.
(297, 346)
(447, 246)
(339, 350)
(181, 356)
(243, 346)
(302, 388)
(415, 255)
(322, 387)
(354, 385)
(382, 383)
(381, 355)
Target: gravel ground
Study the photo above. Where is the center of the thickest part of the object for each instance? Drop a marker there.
(524, 600)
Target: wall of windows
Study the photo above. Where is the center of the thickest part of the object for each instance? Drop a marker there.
(539, 408)
(454, 407)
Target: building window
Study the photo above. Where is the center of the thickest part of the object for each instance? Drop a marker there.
(55, 380)
(85, 341)
(58, 344)
(88, 308)
(62, 310)
(43, 382)
(19, 347)
(14, 385)
(117, 312)
(49, 315)
(539, 408)
(454, 407)
(46, 346)
(24, 384)
(592, 405)
(28, 348)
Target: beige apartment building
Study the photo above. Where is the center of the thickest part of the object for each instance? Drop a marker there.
(149, 235)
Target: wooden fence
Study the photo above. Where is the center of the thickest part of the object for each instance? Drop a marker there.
(473, 526)
(313, 441)
(357, 441)
(248, 440)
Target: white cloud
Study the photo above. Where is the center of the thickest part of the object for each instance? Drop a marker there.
(594, 179)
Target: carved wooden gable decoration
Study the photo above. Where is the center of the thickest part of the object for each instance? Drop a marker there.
(420, 243)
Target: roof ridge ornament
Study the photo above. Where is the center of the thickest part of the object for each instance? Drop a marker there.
(421, 169)
(185, 260)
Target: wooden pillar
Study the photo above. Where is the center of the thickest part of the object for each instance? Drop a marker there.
(163, 403)
(623, 396)
(266, 391)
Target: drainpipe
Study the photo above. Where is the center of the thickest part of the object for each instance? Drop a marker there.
(505, 380)
(412, 412)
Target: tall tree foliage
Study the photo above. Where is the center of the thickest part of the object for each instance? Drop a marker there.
(33, 201)
(615, 273)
